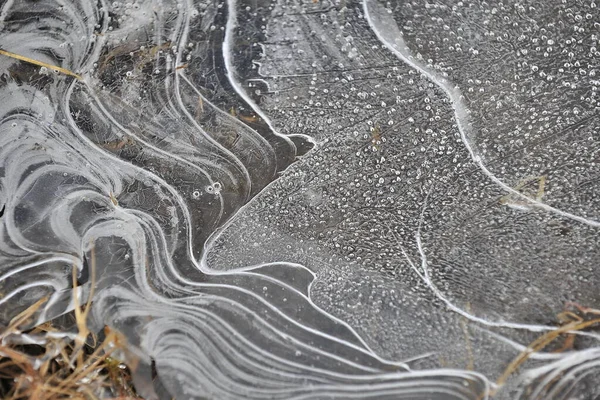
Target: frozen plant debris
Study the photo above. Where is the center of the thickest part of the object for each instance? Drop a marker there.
(299, 199)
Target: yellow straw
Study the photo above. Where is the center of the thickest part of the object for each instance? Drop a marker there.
(40, 63)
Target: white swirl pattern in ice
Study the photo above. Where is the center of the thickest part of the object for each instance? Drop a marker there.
(162, 137)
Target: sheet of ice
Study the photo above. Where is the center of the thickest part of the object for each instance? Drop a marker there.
(298, 199)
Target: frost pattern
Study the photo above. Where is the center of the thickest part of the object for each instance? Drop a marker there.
(308, 199)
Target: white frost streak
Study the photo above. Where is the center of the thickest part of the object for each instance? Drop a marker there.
(387, 31)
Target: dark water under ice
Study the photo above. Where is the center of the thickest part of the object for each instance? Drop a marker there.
(310, 199)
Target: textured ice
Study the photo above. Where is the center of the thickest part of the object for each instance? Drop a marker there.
(309, 199)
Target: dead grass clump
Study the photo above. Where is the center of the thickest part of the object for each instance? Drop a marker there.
(45, 363)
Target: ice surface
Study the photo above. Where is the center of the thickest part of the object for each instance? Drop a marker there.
(310, 199)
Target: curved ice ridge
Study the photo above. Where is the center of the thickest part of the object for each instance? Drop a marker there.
(386, 29)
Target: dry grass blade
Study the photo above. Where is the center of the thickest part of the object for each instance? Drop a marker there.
(540, 343)
(40, 64)
(22, 318)
(543, 341)
(82, 315)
